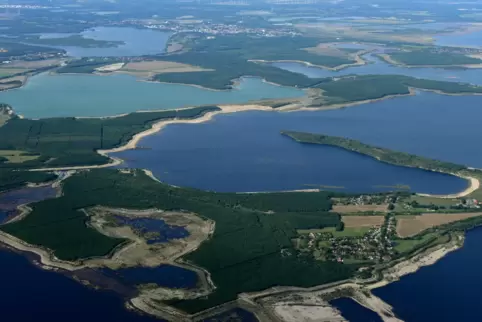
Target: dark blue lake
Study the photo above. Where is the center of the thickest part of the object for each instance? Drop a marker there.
(245, 151)
(444, 292)
(154, 230)
(237, 314)
(354, 312)
(163, 275)
(30, 294)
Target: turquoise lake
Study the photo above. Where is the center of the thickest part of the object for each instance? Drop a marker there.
(137, 42)
(47, 95)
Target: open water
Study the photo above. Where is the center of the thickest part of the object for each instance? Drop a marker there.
(378, 67)
(137, 42)
(246, 152)
(444, 292)
(47, 95)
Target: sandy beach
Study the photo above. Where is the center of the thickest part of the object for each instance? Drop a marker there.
(474, 184)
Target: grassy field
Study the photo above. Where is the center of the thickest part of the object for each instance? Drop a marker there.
(413, 225)
(408, 245)
(347, 232)
(347, 209)
(5, 72)
(362, 221)
(16, 156)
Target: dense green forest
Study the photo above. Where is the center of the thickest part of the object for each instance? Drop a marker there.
(18, 49)
(366, 87)
(250, 250)
(381, 154)
(275, 48)
(72, 40)
(14, 179)
(72, 141)
(229, 56)
(228, 67)
(430, 57)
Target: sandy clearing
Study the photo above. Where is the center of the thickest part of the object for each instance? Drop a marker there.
(307, 313)
(110, 68)
(159, 67)
(411, 225)
(362, 221)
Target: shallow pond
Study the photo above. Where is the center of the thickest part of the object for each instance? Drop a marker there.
(154, 230)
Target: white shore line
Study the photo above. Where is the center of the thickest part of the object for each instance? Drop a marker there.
(474, 184)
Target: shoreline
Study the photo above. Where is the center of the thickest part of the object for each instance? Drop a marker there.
(359, 61)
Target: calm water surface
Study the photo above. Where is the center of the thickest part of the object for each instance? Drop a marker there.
(47, 95)
(354, 312)
(154, 230)
(164, 275)
(50, 296)
(245, 151)
(444, 292)
(377, 66)
(10, 200)
(137, 42)
(460, 39)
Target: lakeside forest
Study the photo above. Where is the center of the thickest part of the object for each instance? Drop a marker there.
(260, 240)
(250, 249)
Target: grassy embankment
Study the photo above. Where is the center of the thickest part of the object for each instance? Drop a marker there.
(250, 249)
(71, 142)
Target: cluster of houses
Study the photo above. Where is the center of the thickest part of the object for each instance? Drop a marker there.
(376, 245)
